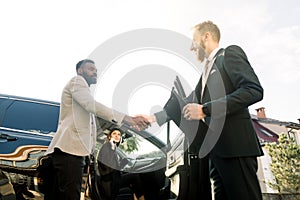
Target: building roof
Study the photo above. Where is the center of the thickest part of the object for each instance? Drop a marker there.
(263, 133)
(268, 129)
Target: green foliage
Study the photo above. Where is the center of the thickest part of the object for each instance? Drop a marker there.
(130, 144)
(285, 164)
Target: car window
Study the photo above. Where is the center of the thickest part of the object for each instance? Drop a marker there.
(162, 132)
(137, 147)
(31, 116)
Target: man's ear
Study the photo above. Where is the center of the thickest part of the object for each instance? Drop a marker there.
(79, 71)
(207, 35)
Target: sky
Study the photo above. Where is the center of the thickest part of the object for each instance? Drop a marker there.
(41, 42)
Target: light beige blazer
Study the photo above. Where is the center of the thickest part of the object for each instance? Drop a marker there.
(76, 132)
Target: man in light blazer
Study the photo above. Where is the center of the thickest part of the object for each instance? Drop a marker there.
(225, 136)
(76, 132)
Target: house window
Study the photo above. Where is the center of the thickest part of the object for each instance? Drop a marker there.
(266, 133)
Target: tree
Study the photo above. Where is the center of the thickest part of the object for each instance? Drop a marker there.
(285, 165)
(130, 144)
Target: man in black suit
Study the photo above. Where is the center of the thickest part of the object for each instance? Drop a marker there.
(225, 138)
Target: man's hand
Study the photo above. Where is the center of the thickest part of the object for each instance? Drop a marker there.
(113, 143)
(150, 118)
(138, 122)
(193, 111)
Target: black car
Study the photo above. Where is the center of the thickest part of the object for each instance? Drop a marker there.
(27, 126)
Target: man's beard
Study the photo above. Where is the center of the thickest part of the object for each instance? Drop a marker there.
(200, 54)
(89, 79)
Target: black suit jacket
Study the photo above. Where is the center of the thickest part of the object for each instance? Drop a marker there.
(231, 87)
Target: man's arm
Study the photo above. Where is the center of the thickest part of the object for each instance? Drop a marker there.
(245, 92)
(247, 88)
(81, 94)
(172, 109)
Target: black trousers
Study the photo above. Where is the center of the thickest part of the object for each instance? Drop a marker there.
(234, 178)
(133, 181)
(67, 176)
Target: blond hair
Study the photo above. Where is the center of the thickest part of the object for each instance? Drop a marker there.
(209, 26)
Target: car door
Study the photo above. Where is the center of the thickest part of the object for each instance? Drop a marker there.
(145, 155)
(182, 164)
(177, 169)
(26, 129)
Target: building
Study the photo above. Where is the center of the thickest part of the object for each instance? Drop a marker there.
(268, 130)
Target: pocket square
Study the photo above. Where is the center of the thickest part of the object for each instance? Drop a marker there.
(212, 71)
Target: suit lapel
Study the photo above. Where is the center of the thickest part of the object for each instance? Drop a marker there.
(212, 70)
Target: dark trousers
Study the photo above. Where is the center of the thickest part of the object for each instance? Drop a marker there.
(235, 178)
(67, 176)
(133, 181)
(199, 180)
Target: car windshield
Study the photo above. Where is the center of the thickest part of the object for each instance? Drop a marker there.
(135, 147)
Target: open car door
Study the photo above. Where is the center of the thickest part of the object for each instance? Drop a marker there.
(148, 160)
(182, 163)
(169, 171)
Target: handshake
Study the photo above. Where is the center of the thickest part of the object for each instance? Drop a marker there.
(190, 112)
(139, 122)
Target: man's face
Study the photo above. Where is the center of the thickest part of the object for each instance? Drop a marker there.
(89, 73)
(116, 136)
(199, 46)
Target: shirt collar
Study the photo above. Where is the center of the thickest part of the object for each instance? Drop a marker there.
(213, 53)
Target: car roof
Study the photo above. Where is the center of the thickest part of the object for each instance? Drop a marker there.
(20, 98)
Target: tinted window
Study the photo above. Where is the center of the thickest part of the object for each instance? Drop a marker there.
(31, 116)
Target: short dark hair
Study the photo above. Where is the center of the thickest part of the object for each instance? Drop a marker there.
(116, 129)
(82, 62)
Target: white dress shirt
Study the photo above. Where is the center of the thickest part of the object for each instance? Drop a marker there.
(209, 62)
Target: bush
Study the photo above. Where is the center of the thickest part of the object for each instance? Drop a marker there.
(285, 165)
